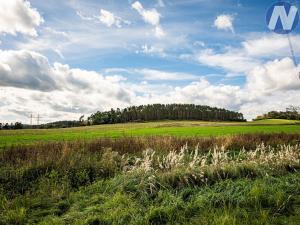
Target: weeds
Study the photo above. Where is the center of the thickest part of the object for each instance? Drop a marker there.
(193, 181)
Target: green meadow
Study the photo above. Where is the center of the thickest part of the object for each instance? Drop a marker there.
(167, 172)
(165, 128)
(248, 179)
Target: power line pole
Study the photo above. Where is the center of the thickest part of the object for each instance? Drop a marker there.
(38, 119)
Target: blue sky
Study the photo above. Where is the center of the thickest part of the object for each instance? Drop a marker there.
(63, 59)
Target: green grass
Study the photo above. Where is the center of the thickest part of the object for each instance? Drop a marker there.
(168, 128)
(99, 186)
(275, 121)
(227, 202)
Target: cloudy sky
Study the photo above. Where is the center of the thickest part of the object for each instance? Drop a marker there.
(63, 59)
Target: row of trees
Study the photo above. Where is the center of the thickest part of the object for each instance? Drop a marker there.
(11, 126)
(164, 112)
(63, 124)
(291, 113)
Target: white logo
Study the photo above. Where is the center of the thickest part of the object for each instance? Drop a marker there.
(282, 17)
(286, 20)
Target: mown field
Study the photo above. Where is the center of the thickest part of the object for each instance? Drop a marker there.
(152, 173)
(166, 128)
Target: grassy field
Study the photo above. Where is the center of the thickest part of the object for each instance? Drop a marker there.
(166, 128)
(170, 172)
(153, 180)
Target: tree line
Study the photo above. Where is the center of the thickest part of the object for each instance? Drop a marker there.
(157, 112)
(291, 113)
(11, 126)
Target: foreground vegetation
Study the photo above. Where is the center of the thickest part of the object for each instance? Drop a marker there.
(164, 128)
(241, 179)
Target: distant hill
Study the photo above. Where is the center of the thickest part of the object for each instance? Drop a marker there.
(156, 112)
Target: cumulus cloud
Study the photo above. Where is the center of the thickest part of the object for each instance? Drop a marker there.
(29, 81)
(233, 60)
(254, 51)
(278, 100)
(150, 16)
(17, 16)
(224, 22)
(57, 105)
(273, 76)
(26, 70)
(270, 45)
(205, 93)
(55, 88)
(273, 85)
(56, 91)
(255, 98)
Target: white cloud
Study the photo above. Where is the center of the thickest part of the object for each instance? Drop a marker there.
(106, 17)
(150, 74)
(28, 81)
(152, 50)
(268, 45)
(154, 74)
(271, 86)
(253, 52)
(275, 101)
(32, 71)
(26, 70)
(204, 93)
(49, 40)
(224, 22)
(159, 32)
(17, 16)
(233, 60)
(109, 19)
(273, 76)
(150, 16)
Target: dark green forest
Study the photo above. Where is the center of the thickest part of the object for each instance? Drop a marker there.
(291, 113)
(157, 112)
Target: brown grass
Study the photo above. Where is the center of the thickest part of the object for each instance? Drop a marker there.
(53, 151)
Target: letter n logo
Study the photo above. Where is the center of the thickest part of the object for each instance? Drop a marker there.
(282, 17)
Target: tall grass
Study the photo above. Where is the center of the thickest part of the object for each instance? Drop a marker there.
(52, 151)
(245, 179)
